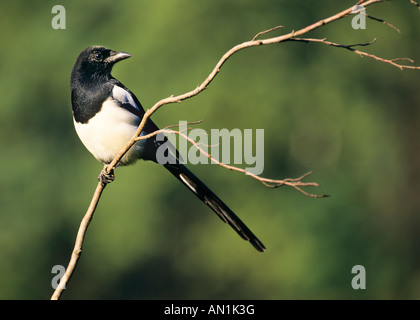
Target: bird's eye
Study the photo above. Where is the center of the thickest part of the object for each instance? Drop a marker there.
(97, 56)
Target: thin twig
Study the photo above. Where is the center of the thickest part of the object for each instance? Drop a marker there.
(77, 250)
(266, 31)
(271, 183)
(362, 53)
(384, 22)
(415, 3)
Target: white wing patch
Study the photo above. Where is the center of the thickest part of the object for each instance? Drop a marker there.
(123, 96)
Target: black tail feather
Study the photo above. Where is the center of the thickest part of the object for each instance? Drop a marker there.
(217, 205)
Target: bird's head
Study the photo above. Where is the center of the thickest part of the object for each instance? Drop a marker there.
(97, 61)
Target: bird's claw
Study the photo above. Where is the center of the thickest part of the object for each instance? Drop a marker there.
(106, 177)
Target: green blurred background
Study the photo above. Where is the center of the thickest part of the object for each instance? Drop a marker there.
(354, 121)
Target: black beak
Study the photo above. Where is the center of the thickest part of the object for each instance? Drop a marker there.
(116, 56)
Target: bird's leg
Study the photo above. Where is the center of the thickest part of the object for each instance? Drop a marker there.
(106, 177)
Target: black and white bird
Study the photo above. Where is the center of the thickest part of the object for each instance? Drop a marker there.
(106, 116)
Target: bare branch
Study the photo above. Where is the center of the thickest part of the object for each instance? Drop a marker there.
(225, 57)
(415, 3)
(271, 183)
(77, 250)
(362, 53)
(384, 22)
(266, 31)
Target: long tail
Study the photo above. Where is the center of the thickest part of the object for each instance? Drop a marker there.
(217, 205)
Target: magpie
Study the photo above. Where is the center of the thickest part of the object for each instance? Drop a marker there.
(106, 115)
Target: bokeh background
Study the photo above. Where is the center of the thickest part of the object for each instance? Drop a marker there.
(355, 122)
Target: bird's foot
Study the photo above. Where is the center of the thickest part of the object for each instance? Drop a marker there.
(106, 177)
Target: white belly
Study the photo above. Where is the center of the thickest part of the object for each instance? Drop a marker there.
(108, 132)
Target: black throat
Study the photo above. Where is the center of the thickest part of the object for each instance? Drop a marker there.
(88, 92)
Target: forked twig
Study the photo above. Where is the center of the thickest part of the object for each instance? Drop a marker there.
(351, 48)
(296, 183)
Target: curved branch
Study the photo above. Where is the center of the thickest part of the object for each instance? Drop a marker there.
(253, 43)
(77, 250)
(296, 183)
